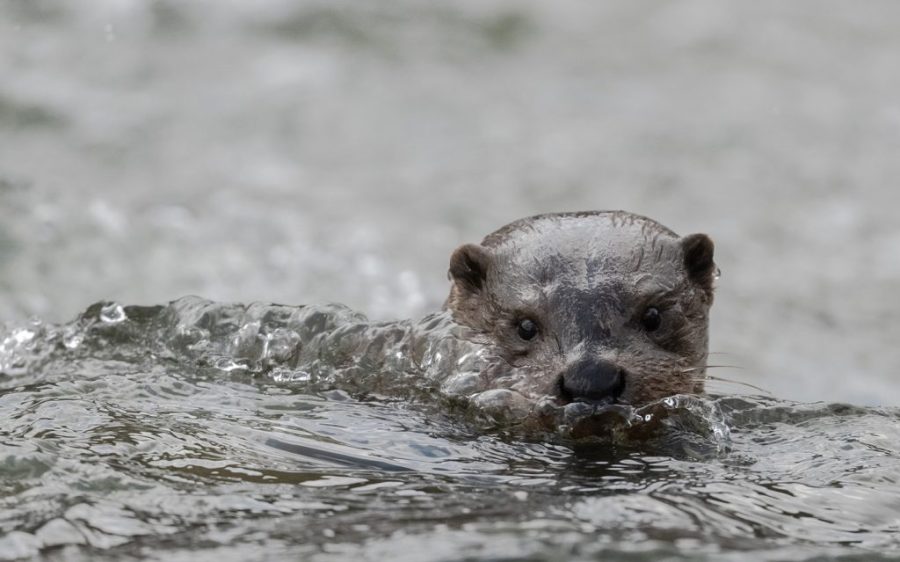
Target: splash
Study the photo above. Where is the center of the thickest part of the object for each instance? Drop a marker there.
(433, 362)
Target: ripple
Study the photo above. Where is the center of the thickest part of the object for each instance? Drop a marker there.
(202, 423)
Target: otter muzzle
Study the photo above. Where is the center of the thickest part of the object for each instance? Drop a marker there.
(594, 380)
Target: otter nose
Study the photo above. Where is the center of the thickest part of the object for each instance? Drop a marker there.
(593, 379)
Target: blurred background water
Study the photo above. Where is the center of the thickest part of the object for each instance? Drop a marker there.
(317, 151)
(328, 151)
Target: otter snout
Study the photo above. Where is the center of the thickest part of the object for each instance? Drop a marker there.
(596, 380)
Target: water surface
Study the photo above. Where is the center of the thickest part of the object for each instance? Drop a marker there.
(194, 429)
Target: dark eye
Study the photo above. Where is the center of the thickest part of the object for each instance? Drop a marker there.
(651, 319)
(527, 329)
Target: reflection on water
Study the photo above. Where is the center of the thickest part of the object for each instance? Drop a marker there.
(177, 430)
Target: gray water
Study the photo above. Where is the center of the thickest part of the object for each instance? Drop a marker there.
(315, 152)
(272, 432)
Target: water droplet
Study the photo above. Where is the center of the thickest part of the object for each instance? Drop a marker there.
(228, 365)
(112, 313)
(286, 375)
(501, 403)
(72, 339)
(463, 384)
(22, 336)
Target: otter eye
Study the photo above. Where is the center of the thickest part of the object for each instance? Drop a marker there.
(527, 329)
(651, 319)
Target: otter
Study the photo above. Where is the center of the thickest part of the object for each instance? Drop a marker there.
(605, 307)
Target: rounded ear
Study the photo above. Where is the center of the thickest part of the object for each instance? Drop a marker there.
(698, 259)
(469, 266)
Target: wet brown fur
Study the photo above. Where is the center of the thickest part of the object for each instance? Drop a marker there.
(586, 279)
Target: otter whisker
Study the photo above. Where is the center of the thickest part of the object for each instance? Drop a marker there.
(713, 378)
(693, 369)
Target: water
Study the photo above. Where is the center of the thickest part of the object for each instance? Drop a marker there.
(269, 431)
(314, 152)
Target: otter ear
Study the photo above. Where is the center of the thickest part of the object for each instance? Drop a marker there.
(469, 266)
(698, 259)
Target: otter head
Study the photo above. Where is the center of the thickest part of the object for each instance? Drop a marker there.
(600, 307)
